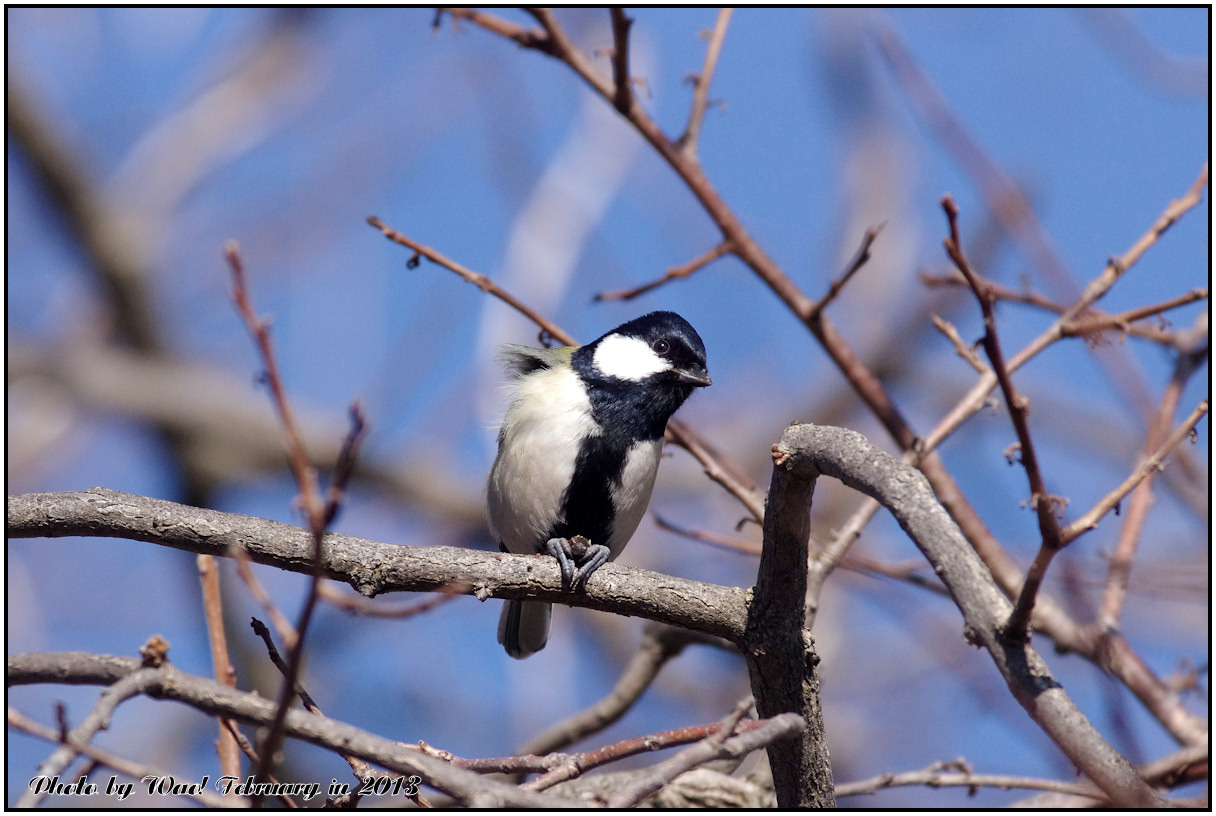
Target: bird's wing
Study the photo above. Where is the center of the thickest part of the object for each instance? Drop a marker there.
(523, 360)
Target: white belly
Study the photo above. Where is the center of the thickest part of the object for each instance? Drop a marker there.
(535, 463)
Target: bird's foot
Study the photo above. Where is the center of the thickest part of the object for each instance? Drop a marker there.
(570, 552)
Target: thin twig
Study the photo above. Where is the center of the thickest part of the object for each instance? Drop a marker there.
(228, 751)
(1119, 571)
(721, 744)
(123, 765)
(716, 466)
(317, 512)
(360, 768)
(1045, 506)
(1092, 321)
(287, 632)
(700, 94)
(859, 260)
(1086, 325)
(345, 465)
(249, 751)
(959, 774)
(967, 352)
(1116, 267)
(555, 768)
(97, 719)
(713, 539)
(1146, 468)
(674, 273)
(301, 467)
(623, 97)
(476, 278)
(364, 607)
(660, 644)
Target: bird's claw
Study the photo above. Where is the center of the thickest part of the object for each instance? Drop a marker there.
(577, 550)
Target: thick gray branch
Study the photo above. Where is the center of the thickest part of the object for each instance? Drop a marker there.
(780, 652)
(167, 682)
(806, 451)
(371, 567)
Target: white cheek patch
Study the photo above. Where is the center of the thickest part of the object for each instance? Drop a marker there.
(627, 358)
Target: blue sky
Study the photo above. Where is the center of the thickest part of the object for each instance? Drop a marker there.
(503, 160)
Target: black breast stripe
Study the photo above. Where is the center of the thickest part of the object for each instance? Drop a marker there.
(587, 506)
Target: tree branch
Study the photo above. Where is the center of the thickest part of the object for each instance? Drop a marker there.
(660, 644)
(1046, 506)
(371, 567)
(125, 766)
(700, 94)
(168, 682)
(623, 98)
(780, 652)
(806, 451)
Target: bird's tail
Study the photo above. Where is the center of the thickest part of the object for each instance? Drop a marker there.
(523, 628)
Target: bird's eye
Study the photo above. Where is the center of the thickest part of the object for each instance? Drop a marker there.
(661, 347)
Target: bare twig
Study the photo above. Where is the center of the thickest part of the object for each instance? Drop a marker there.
(556, 768)
(807, 451)
(1093, 321)
(821, 563)
(167, 682)
(124, 766)
(713, 539)
(287, 632)
(345, 465)
(317, 512)
(249, 751)
(967, 352)
(374, 568)
(358, 605)
(1119, 572)
(272, 652)
(1144, 470)
(1087, 325)
(301, 467)
(476, 278)
(959, 774)
(209, 576)
(1045, 505)
(717, 467)
(700, 95)
(1117, 266)
(674, 273)
(360, 768)
(1182, 767)
(133, 684)
(623, 97)
(718, 745)
(859, 260)
(660, 644)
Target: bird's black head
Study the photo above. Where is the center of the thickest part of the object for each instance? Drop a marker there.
(639, 373)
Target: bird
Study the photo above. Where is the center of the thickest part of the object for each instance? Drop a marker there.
(579, 448)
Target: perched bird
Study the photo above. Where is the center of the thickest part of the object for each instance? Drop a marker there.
(579, 448)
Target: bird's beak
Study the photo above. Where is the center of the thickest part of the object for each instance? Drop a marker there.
(697, 376)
